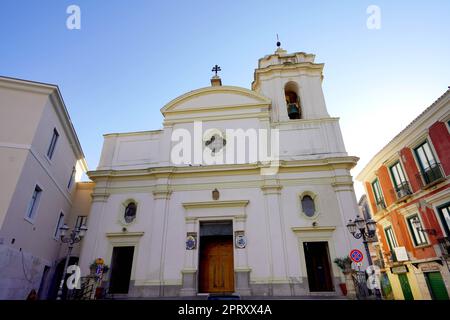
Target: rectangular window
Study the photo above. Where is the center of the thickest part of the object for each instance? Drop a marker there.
(51, 147)
(444, 215)
(32, 207)
(398, 176)
(59, 225)
(425, 156)
(417, 234)
(72, 177)
(378, 194)
(391, 238)
(401, 185)
(429, 167)
(81, 220)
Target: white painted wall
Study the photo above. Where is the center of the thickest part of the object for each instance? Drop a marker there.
(28, 114)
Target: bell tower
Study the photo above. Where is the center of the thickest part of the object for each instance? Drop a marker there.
(293, 81)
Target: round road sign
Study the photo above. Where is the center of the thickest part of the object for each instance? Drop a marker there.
(356, 255)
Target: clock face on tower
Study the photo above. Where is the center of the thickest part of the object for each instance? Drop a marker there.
(215, 143)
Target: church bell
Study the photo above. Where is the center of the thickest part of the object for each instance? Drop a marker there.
(293, 111)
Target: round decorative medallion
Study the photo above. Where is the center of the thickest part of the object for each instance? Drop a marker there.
(241, 241)
(191, 242)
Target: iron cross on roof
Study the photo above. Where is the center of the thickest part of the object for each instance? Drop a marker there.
(215, 69)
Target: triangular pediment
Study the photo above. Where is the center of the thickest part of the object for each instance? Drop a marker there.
(212, 98)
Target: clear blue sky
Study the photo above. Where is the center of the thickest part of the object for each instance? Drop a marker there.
(132, 57)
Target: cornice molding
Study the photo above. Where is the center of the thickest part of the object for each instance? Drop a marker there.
(133, 133)
(171, 172)
(296, 123)
(216, 89)
(312, 229)
(294, 66)
(237, 217)
(220, 108)
(161, 194)
(260, 115)
(188, 271)
(99, 197)
(283, 54)
(342, 185)
(27, 86)
(309, 67)
(271, 189)
(123, 234)
(216, 204)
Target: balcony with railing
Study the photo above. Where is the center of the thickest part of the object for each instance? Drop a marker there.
(381, 205)
(403, 191)
(430, 176)
(444, 244)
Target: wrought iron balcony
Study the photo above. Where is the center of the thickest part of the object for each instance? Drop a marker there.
(430, 176)
(381, 205)
(403, 190)
(444, 244)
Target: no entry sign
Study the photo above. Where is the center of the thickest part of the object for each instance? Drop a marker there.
(356, 255)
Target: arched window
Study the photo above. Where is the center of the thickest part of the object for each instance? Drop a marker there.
(130, 212)
(292, 100)
(308, 206)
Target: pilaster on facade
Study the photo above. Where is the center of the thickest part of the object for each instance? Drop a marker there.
(271, 186)
(275, 227)
(161, 194)
(100, 196)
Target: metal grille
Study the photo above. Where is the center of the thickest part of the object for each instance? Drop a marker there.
(359, 280)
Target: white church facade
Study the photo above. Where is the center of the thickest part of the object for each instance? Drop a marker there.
(169, 223)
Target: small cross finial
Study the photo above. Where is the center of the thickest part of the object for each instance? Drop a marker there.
(278, 41)
(215, 69)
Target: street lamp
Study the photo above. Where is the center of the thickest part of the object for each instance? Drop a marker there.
(74, 237)
(360, 228)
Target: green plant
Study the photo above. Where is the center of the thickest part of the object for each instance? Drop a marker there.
(95, 264)
(343, 263)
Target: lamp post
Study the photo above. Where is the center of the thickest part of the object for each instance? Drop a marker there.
(360, 228)
(74, 237)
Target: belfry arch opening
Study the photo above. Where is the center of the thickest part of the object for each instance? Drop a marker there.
(292, 100)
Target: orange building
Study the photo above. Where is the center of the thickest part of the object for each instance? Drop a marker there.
(407, 185)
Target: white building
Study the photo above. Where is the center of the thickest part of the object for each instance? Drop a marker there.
(171, 229)
(40, 163)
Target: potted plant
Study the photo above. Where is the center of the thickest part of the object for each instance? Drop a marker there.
(94, 266)
(98, 269)
(345, 264)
